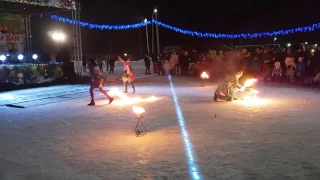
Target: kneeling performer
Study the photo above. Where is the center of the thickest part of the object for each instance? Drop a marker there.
(229, 87)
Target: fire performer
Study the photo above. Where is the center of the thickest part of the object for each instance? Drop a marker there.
(229, 87)
(128, 74)
(96, 81)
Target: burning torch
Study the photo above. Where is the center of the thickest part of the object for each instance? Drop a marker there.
(204, 77)
(140, 128)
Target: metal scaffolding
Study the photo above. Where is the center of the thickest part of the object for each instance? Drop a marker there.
(28, 34)
(77, 45)
(29, 10)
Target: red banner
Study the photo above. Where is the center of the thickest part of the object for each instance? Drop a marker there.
(11, 34)
(11, 37)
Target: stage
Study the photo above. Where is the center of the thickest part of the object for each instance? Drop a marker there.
(30, 73)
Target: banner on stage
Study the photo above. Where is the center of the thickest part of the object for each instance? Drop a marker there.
(69, 4)
(11, 34)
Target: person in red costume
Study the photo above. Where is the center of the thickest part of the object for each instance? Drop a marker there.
(128, 74)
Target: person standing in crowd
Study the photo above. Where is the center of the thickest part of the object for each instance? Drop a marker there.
(300, 70)
(309, 73)
(84, 63)
(107, 62)
(112, 62)
(100, 63)
(291, 67)
(266, 60)
(166, 64)
(255, 65)
(147, 64)
(316, 61)
(155, 61)
(277, 72)
(219, 63)
(174, 63)
(185, 60)
(96, 82)
(68, 66)
(160, 64)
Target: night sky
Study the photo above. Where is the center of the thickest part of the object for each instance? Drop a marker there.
(227, 16)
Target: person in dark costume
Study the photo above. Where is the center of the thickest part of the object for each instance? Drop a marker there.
(96, 81)
(112, 61)
(229, 87)
(147, 64)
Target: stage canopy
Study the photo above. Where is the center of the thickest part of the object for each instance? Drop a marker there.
(36, 6)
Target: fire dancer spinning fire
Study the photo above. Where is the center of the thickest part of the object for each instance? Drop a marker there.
(128, 74)
(229, 87)
(96, 81)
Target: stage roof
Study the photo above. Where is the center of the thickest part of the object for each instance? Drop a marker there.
(35, 6)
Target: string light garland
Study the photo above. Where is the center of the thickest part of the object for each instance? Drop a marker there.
(302, 29)
(44, 4)
(101, 27)
(31, 64)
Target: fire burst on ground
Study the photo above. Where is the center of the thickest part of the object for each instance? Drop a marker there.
(251, 98)
(126, 100)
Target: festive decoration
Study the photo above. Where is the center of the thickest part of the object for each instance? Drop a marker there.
(101, 27)
(31, 64)
(309, 28)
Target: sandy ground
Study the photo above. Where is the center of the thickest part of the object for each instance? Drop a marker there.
(58, 137)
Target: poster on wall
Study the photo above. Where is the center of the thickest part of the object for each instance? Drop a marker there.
(11, 34)
(69, 4)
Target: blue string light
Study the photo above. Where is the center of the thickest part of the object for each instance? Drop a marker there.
(101, 27)
(309, 28)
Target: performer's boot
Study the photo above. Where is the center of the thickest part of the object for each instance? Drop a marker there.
(92, 103)
(133, 87)
(230, 98)
(215, 97)
(125, 88)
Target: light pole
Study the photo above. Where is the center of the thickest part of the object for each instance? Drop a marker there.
(157, 31)
(154, 11)
(147, 35)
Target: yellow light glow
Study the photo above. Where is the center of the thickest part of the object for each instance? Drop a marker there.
(253, 101)
(126, 100)
(138, 110)
(204, 75)
(249, 82)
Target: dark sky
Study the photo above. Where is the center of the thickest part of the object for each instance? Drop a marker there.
(224, 16)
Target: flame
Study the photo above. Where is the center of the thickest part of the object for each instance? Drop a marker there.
(138, 110)
(204, 75)
(126, 100)
(249, 82)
